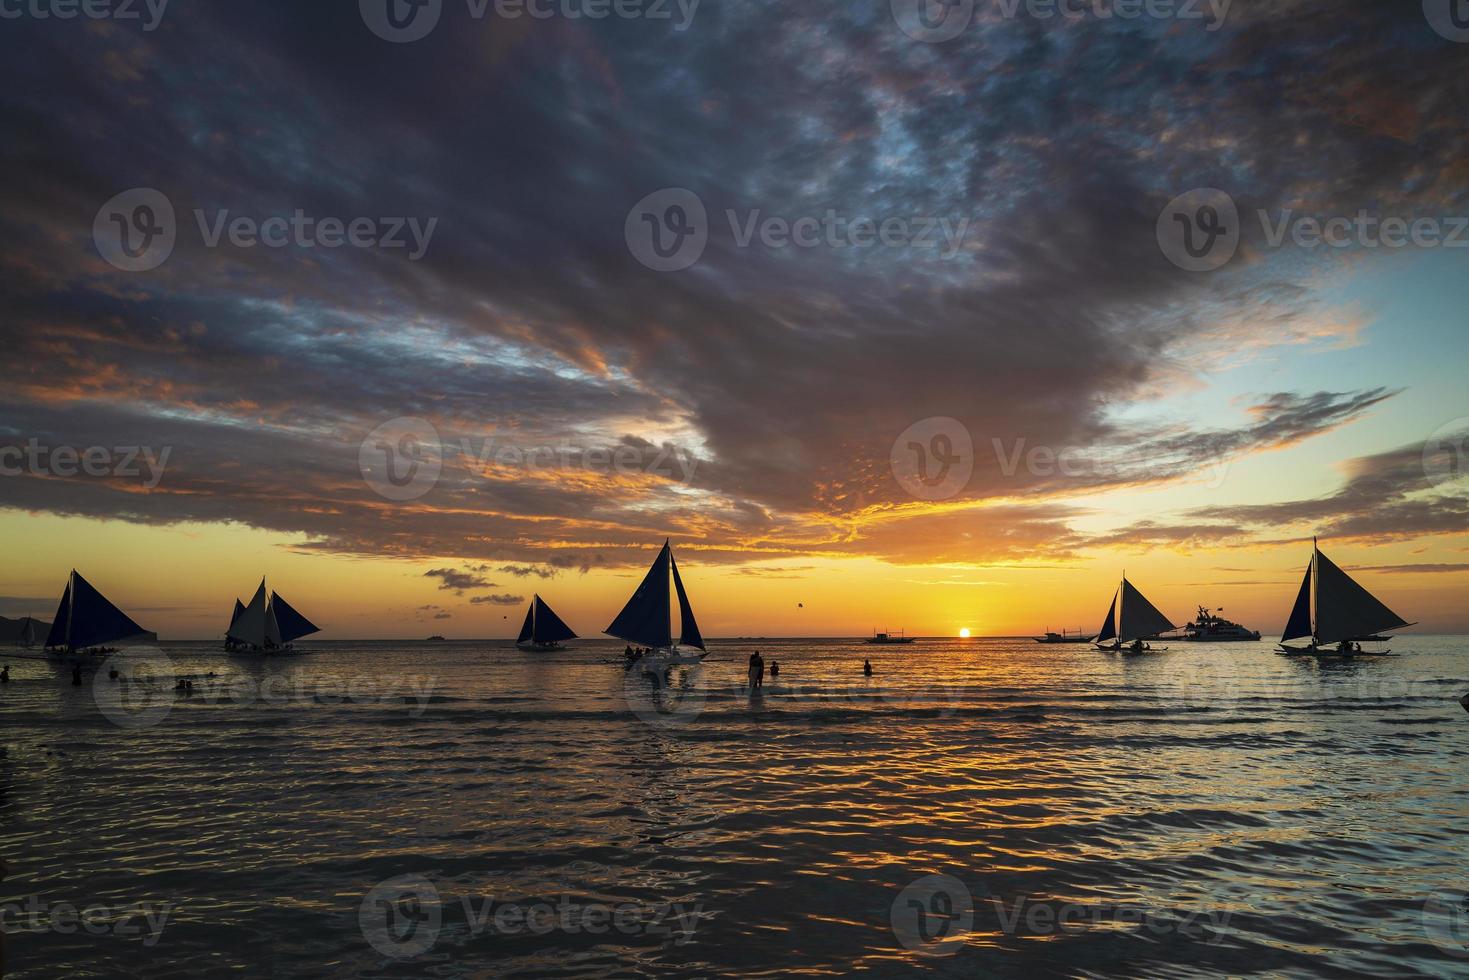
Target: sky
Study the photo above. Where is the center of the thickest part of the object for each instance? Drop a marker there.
(885, 320)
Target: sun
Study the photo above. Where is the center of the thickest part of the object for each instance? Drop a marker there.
(964, 633)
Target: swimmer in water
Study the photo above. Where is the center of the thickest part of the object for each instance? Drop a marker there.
(76, 676)
(867, 668)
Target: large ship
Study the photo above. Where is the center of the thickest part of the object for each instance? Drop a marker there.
(1210, 627)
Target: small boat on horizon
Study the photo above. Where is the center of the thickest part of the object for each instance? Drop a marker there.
(267, 626)
(542, 629)
(886, 637)
(1132, 621)
(1079, 636)
(25, 632)
(1209, 627)
(87, 622)
(1345, 614)
(647, 619)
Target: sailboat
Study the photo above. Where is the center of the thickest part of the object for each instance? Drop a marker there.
(647, 621)
(24, 632)
(1346, 613)
(1131, 622)
(542, 629)
(86, 622)
(266, 625)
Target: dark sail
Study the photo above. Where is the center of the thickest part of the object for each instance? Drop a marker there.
(528, 628)
(1139, 618)
(1345, 610)
(1109, 628)
(235, 616)
(645, 618)
(548, 626)
(92, 620)
(1299, 624)
(57, 636)
(688, 630)
(292, 624)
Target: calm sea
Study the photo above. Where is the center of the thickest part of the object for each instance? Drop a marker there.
(978, 808)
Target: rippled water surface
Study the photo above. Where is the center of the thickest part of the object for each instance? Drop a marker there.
(1201, 811)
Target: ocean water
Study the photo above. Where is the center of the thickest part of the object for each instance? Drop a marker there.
(982, 808)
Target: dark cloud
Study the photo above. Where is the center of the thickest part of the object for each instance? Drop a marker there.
(505, 599)
(458, 580)
(758, 393)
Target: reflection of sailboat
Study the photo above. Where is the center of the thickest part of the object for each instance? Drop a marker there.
(647, 618)
(1346, 613)
(86, 621)
(1131, 621)
(543, 629)
(266, 625)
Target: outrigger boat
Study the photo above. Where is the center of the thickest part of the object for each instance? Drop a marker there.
(1132, 622)
(1064, 637)
(881, 638)
(542, 629)
(647, 619)
(87, 623)
(1346, 615)
(266, 626)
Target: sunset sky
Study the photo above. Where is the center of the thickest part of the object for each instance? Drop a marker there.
(1215, 420)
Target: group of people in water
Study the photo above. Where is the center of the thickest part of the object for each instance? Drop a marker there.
(755, 676)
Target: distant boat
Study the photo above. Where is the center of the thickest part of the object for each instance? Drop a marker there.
(86, 622)
(266, 625)
(889, 638)
(1064, 637)
(436, 638)
(24, 632)
(542, 629)
(1131, 622)
(1345, 613)
(1208, 627)
(647, 619)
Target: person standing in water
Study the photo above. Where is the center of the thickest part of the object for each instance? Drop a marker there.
(867, 668)
(774, 669)
(76, 676)
(5, 674)
(750, 670)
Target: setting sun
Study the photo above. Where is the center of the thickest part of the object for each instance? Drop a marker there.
(964, 633)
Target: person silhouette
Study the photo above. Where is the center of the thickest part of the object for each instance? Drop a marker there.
(774, 669)
(76, 676)
(867, 668)
(5, 674)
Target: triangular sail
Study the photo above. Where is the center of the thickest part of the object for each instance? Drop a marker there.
(235, 616)
(548, 626)
(87, 619)
(292, 625)
(528, 628)
(1299, 624)
(1109, 627)
(57, 636)
(1139, 619)
(688, 632)
(645, 618)
(1345, 610)
(256, 625)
